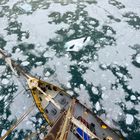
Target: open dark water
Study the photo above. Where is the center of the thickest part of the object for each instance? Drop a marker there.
(89, 47)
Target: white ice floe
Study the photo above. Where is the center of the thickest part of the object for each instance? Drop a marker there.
(97, 106)
(61, 67)
(109, 101)
(81, 86)
(16, 135)
(132, 97)
(103, 88)
(129, 105)
(38, 63)
(129, 119)
(84, 97)
(103, 66)
(17, 50)
(25, 63)
(40, 120)
(68, 85)
(129, 87)
(28, 123)
(26, 7)
(38, 21)
(5, 81)
(97, 76)
(33, 119)
(70, 92)
(97, 45)
(125, 78)
(47, 73)
(49, 53)
(77, 44)
(76, 90)
(119, 74)
(95, 90)
(1, 97)
(41, 136)
(3, 132)
(137, 58)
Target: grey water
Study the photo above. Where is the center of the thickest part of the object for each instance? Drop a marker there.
(91, 48)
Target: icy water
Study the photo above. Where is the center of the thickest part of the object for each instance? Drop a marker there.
(90, 48)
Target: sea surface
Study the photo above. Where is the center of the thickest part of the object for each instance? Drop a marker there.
(91, 48)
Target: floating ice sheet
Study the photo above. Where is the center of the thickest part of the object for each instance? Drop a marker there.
(129, 119)
(77, 44)
(25, 6)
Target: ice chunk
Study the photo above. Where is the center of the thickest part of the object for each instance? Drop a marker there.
(77, 44)
(95, 90)
(129, 119)
(68, 85)
(47, 73)
(33, 119)
(97, 106)
(137, 58)
(129, 87)
(1, 97)
(76, 89)
(3, 132)
(120, 75)
(70, 92)
(103, 88)
(16, 135)
(26, 7)
(49, 53)
(81, 86)
(133, 97)
(5, 81)
(103, 66)
(17, 50)
(45, 54)
(41, 136)
(97, 46)
(28, 122)
(39, 63)
(2, 69)
(25, 63)
(40, 120)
